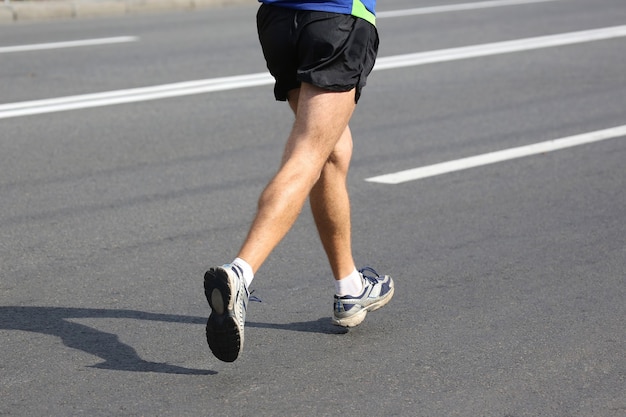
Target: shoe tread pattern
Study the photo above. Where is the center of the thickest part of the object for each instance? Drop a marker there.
(222, 332)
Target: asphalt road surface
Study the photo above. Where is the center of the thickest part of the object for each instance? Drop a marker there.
(510, 273)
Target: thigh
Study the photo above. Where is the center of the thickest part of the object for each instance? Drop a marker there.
(322, 117)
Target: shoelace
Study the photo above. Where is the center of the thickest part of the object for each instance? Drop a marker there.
(254, 297)
(370, 278)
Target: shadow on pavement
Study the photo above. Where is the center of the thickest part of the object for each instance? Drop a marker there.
(107, 346)
(116, 355)
(323, 326)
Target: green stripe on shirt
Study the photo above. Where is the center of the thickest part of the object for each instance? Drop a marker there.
(359, 10)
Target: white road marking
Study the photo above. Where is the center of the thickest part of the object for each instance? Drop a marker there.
(26, 108)
(499, 156)
(455, 8)
(526, 44)
(67, 44)
(133, 95)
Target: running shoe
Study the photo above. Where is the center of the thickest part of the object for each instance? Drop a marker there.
(228, 296)
(350, 311)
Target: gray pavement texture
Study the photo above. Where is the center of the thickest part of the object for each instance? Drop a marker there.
(510, 278)
(25, 11)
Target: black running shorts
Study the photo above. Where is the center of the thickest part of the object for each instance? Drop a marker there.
(329, 50)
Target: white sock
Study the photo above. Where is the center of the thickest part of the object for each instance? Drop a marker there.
(350, 285)
(245, 267)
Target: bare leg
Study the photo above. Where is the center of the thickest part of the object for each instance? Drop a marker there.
(330, 203)
(330, 206)
(321, 122)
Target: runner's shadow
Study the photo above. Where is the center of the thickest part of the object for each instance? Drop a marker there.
(55, 321)
(116, 355)
(322, 325)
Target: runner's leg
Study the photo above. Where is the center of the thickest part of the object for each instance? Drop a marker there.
(321, 122)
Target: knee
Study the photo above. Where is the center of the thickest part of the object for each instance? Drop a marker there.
(340, 157)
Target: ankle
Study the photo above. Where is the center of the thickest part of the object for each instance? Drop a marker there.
(246, 271)
(350, 285)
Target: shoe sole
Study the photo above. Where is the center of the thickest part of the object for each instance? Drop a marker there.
(358, 318)
(222, 332)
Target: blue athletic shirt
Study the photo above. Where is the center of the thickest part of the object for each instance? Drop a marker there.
(365, 9)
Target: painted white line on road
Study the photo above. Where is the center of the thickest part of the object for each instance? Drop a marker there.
(526, 44)
(498, 156)
(252, 80)
(67, 44)
(110, 98)
(455, 8)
